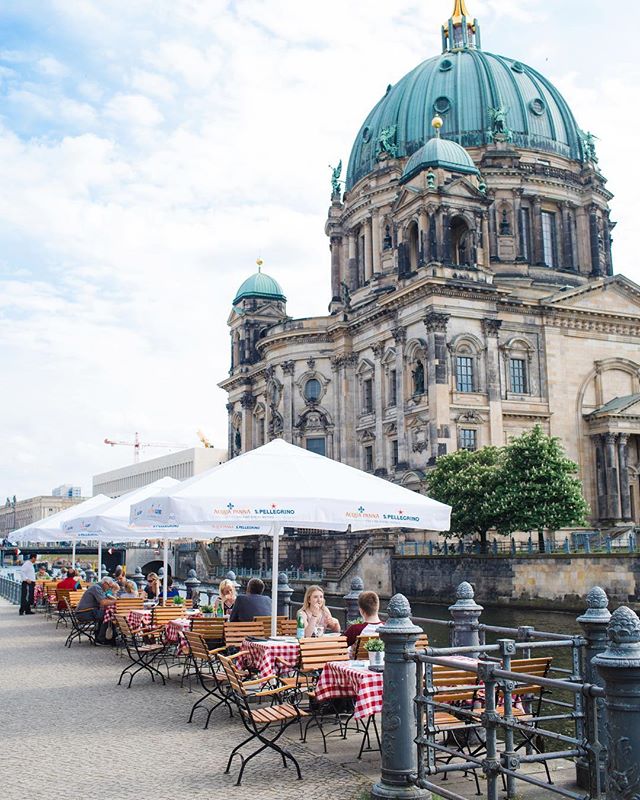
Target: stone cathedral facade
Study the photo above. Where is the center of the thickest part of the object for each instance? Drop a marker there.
(472, 291)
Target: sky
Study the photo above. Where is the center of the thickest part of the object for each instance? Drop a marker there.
(151, 150)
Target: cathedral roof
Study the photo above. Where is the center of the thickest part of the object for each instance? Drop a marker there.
(261, 286)
(467, 87)
(439, 152)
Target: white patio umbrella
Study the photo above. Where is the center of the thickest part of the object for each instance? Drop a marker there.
(50, 529)
(282, 484)
(109, 521)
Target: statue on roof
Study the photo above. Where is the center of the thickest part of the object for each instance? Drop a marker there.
(335, 179)
(499, 130)
(589, 146)
(386, 142)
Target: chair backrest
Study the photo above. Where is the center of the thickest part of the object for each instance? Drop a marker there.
(128, 603)
(163, 614)
(316, 652)
(531, 666)
(239, 692)
(209, 628)
(123, 624)
(422, 642)
(50, 586)
(197, 645)
(287, 627)
(359, 650)
(71, 595)
(266, 623)
(236, 632)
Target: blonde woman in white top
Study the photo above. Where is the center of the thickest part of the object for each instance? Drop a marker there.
(315, 614)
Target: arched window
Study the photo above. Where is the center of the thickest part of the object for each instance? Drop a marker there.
(413, 242)
(468, 369)
(312, 390)
(461, 243)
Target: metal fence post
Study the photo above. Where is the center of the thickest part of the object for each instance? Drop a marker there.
(398, 751)
(594, 624)
(351, 598)
(284, 595)
(465, 612)
(619, 666)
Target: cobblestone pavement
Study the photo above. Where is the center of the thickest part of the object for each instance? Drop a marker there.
(69, 731)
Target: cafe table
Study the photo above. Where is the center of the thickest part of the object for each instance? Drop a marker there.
(262, 654)
(351, 679)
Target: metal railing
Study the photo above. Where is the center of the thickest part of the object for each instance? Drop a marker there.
(10, 589)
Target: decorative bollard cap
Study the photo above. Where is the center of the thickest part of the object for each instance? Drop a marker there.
(465, 599)
(357, 586)
(623, 645)
(597, 611)
(283, 580)
(399, 617)
(192, 579)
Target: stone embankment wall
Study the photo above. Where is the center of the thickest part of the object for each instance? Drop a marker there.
(527, 581)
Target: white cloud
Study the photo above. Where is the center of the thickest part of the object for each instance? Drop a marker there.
(168, 146)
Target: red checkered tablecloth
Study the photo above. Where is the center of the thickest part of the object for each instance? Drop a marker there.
(38, 593)
(139, 619)
(173, 632)
(344, 679)
(262, 655)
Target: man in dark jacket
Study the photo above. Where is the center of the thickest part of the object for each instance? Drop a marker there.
(252, 604)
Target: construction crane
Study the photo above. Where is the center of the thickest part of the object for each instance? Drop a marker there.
(138, 445)
(203, 439)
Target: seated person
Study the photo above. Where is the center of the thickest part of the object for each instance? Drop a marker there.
(120, 577)
(226, 597)
(369, 605)
(92, 605)
(315, 614)
(129, 590)
(252, 604)
(153, 587)
(171, 589)
(71, 583)
(42, 574)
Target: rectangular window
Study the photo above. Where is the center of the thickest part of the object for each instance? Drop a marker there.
(368, 458)
(367, 396)
(464, 374)
(525, 235)
(468, 439)
(317, 444)
(518, 375)
(549, 244)
(394, 452)
(393, 394)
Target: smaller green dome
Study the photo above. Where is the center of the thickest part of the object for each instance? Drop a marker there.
(439, 152)
(260, 285)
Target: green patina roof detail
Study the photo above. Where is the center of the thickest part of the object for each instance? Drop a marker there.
(462, 86)
(262, 286)
(617, 405)
(439, 152)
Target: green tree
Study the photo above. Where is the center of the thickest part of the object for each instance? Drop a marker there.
(472, 483)
(542, 488)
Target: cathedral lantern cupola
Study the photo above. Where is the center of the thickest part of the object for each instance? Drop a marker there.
(461, 30)
(258, 303)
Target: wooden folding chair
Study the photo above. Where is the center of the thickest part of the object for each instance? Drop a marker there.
(258, 720)
(142, 654)
(212, 679)
(266, 623)
(287, 627)
(236, 632)
(79, 627)
(160, 615)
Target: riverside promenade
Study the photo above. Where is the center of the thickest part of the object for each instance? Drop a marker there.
(68, 729)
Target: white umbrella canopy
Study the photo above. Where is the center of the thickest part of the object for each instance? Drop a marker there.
(282, 484)
(50, 529)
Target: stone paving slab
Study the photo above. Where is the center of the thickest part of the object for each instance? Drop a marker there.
(69, 731)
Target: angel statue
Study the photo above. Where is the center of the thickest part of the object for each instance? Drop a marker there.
(335, 178)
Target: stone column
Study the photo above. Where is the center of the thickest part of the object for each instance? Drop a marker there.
(230, 448)
(432, 248)
(335, 247)
(349, 409)
(536, 232)
(400, 337)
(375, 242)
(446, 237)
(336, 363)
(486, 240)
(368, 262)
(623, 466)
(596, 270)
(423, 232)
(437, 376)
(567, 236)
(398, 751)
(491, 330)
(465, 613)
(380, 459)
(288, 369)
(352, 263)
(619, 667)
(247, 401)
(594, 624)
(611, 476)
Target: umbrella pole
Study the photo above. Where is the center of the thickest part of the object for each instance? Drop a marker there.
(73, 552)
(165, 564)
(99, 560)
(275, 533)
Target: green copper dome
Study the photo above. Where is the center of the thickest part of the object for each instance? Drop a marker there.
(439, 152)
(464, 86)
(262, 286)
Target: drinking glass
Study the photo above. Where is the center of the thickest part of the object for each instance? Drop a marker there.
(319, 631)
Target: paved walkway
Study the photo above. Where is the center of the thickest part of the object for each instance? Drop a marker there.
(69, 730)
